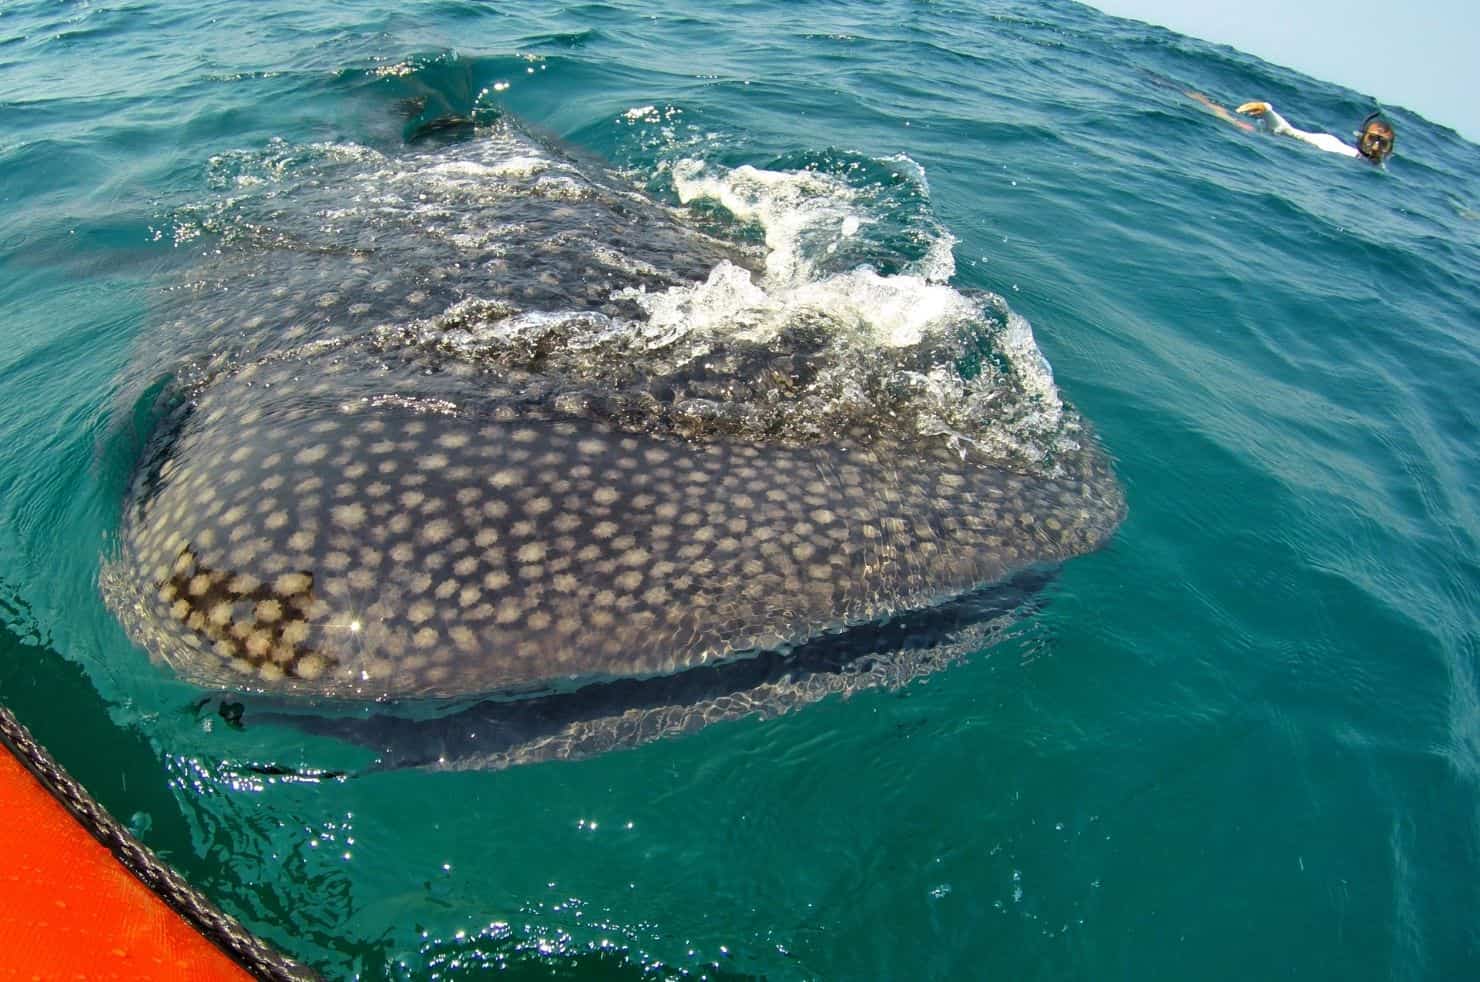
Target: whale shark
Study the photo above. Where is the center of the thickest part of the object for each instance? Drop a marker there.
(485, 427)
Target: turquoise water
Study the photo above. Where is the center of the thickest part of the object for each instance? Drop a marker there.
(1242, 741)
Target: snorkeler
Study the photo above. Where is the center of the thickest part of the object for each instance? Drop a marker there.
(1374, 141)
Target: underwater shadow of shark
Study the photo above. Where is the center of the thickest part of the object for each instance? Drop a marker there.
(429, 441)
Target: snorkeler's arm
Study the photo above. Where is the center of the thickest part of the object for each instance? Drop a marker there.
(1218, 110)
(1279, 125)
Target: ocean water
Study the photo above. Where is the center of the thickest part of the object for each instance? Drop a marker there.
(1243, 740)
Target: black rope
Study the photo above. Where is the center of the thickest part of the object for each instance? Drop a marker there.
(243, 947)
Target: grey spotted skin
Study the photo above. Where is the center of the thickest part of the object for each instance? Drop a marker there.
(421, 448)
(380, 550)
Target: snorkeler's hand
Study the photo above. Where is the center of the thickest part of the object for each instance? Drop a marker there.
(1255, 108)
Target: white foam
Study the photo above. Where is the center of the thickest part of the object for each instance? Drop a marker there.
(889, 311)
(792, 207)
(804, 212)
(620, 260)
(806, 216)
(521, 166)
(1033, 371)
(895, 311)
(939, 262)
(727, 303)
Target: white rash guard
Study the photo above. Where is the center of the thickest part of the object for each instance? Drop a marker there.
(1325, 141)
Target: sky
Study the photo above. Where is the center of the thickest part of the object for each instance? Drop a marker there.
(1431, 61)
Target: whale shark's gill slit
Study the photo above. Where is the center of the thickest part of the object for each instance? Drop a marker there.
(471, 422)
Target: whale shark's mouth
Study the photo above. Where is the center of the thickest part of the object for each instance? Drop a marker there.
(476, 420)
(589, 719)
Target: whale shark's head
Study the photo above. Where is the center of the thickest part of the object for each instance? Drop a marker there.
(475, 420)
